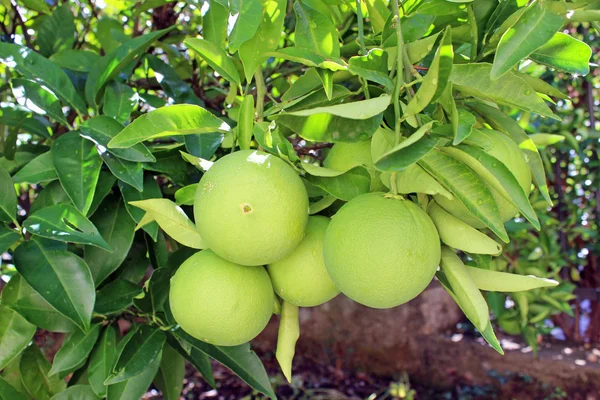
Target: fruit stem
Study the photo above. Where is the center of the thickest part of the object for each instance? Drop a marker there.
(261, 90)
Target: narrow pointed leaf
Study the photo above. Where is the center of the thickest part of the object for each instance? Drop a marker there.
(129, 172)
(40, 169)
(136, 387)
(8, 197)
(289, 331)
(119, 101)
(408, 151)
(151, 191)
(373, 67)
(101, 360)
(496, 281)
(116, 296)
(565, 53)
(75, 350)
(215, 57)
(41, 97)
(34, 369)
(7, 238)
(169, 379)
(15, 334)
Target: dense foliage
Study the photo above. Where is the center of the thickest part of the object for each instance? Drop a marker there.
(112, 112)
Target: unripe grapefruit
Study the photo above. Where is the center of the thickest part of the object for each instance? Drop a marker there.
(507, 152)
(251, 208)
(345, 156)
(220, 302)
(381, 251)
(301, 278)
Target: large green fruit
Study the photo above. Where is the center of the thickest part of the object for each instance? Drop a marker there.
(251, 208)
(345, 156)
(301, 278)
(220, 302)
(507, 152)
(381, 251)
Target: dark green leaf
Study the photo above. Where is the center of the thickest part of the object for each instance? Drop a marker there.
(247, 22)
(342, 185)
(101, 360)
(117, 228)
(116, 296)
(65, 223)
(34, 371)
(169, 379)
(23, 120)
(8, 237)
(103, 188)
(315, 32)
(119, 101)
(41, 98)
(128, 172)
(77, 165)
(151, 191)
(171, 164)
(76, 60)
(50, 195)
(75, 350)
(60, 277)
(15, 334)
(139, 349)
(7, 392)
(35, 67)
(373, 66)
(40, 169)
(76, 392)
(565, 53)
(57, 31)
(199, 360)
(172, 84)
(156, 291)
(204, 145)
(408, 151)
(8, 198)
(215, 57)
(135, 387)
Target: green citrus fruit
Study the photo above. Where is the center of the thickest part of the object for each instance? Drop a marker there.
(381, 251)
(301, 278)
(251, 208)
(345, 156)
(220, 302)
(507, 152)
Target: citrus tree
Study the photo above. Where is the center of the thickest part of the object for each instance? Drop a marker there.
(178, 172)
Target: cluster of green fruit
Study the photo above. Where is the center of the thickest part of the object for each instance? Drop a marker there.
(379, 249)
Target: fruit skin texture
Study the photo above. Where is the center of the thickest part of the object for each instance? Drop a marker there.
(301, 278)
(507, 152)
(251, 208)
(345, 156)
(220, 302)
(381, 251)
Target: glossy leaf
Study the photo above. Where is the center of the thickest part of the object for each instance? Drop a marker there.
(34, 372)
(215, 57)
(74, 350)
(247, 22)
(309, 58)
(182, 119)
(373, 67)
(39, 69)
(199, 360)
(101, 360)
(184, 196)
(57, 31)
(564, 53)
(119, 101)
(315, 32)
(204, 145)
(151, 191)
(140, 348)
(543, 87)
(7, 238)
(41, 98)
(246, 122)
(535, 27)
(22, 120)
(302, 86)
(214, 23)
(360, 110)
(116, 61)
(102, 129)
(173, 221)
(408, 151)
(106, 180)
(78, 166)
(60, 277)
(40, 169)
(289, 331)
(510, 90)
(76, 60)
(76, 392)
(8, 197)
(116, 296)
(172, 84)
(65, 223)
(15, 334)
(136, 387)
(128, 172)
(325, 127)
(156, 291)
(496, 281)
(344, 185)
(117, 228)
(169, 379)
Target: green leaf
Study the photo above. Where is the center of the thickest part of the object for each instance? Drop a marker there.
(199, 360)
(8, 392)
(542, 140)
(247, 22)
(305, 84)
(36, 5)
(57, 31)
(172, 165)
(76, 392)
(344, 185)
(543, 87)
(101, 360)
(103, 188)
(564, 53)
(22, 120)
(40, 97)
(246, 122)
(8, 237)
(309, 58)
(495, 281)
(169, 379)
(183, 196)
(181, 119)
(76, 60)
(102, 129)
(140, 348)
(409, 151)
(75, 350)
(116, 61)
(15, 334)
(214, 23)
(40, 169)
(39, 69)
(535, 27)
(118, 229)
(204, 145)
(156, 291)
(116, 296)
(321, 204)
(78, 166)
(110, 33)
(467, 187)
(373, 67)
(19, 296)
(437, 77)
(34, 371)
(8, 198)
(378, 14)
(252, 52)
(416, 50)
(119, 101)
(504, 177)
(200, 163)
(271, 140)
(326, 77)
(171, 82)
(216, 57)
(315, 32)
(289, 331)
(136, 387)
(173, 221)
(359, 110)
(65, 223)
(151, 191)
(510, 90)
(128, 172)
(60, 277)
(502, 122)
(490, 337)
